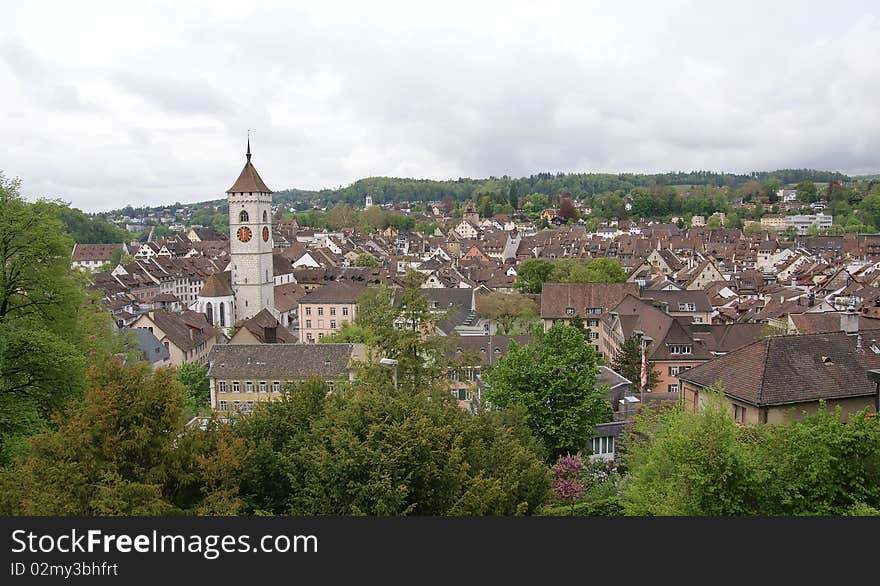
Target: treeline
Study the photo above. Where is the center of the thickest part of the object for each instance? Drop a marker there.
(85, 229)
(394, 190)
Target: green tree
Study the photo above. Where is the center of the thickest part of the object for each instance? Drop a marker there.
(807, 192)
(123, 450)
(683, 463)
(596, 270)
(341, 216)
(377, 450)
(193, 378)
(365, 260)
(628, 364)
(532, 274)
(507, 309)
(36, 282)
(554, 379)
(371, 219)
(713, 223)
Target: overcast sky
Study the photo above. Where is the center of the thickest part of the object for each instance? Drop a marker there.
(106, 104)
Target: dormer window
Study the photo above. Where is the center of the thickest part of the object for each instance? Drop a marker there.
(569, 310)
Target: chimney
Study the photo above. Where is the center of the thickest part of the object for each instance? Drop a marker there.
(849, 321)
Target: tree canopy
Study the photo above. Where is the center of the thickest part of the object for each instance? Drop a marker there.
(554, 379)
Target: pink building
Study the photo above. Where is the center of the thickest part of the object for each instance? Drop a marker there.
(322, 311)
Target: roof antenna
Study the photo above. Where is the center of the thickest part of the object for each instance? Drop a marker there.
(249, 145)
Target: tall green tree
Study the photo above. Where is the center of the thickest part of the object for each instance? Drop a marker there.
(554, 379)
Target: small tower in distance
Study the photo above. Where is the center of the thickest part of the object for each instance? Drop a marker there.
(368, 201)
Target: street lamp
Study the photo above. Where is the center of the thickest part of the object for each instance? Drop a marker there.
(391, 362)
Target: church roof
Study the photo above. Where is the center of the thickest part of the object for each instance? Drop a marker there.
(249, 181)
(218, 285)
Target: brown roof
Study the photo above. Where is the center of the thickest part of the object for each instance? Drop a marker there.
(249, 181)
(556, 298)
(829, 321)
(218, 285)
(335, 292)
(258, 324)
(287, 296)
(101, 252)
(488, 349)
(185, 330)
(781, 370)
(280, 361)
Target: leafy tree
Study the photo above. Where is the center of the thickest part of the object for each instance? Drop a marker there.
(341, 216)
(193, 377)
(532, 274)
(371, 219)
(36, 282)
(123, 450)
(807, 192)
(507, 309)
(366, 260)
(554, 379)
(596, 270)
(713, 223)
(628, 364)
(377, 450)
(682, 463)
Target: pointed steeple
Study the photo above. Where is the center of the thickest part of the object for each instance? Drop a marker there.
(249, 180)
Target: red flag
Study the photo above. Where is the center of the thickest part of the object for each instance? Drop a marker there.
(644, 369)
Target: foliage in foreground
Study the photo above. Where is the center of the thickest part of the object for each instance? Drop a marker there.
(703, 463)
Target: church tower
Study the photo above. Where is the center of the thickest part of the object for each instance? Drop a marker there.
(250, 242)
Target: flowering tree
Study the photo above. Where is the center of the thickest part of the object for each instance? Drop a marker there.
(568, 483)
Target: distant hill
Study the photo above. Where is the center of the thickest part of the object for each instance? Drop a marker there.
(393, 190)
(396, 189)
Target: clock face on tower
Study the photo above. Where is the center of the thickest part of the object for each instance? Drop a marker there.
(244, 234)
(265, 234)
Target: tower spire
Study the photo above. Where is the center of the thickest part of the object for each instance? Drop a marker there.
(249, 146)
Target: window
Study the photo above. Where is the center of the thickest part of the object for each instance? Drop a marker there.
(569, 311)
(594, 310)
(687, 307)
(276, 386)
(679, 348)
(603, 445)
(331, 385)
(221, 386)
(592, 323)
(320, 311)
(332, 311)
(675, 370)
(262, 386)
(222, 405)
(320, 335)
(594, 335)
(243, 217)
(332, 324)
(236, 405)
(739, 414)
(320, 324)
(309, 336)
(265, 217)
(236, 386)
(249, 387)
(308, 310)
(344, 311)
(308, 323)
(672, 388)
